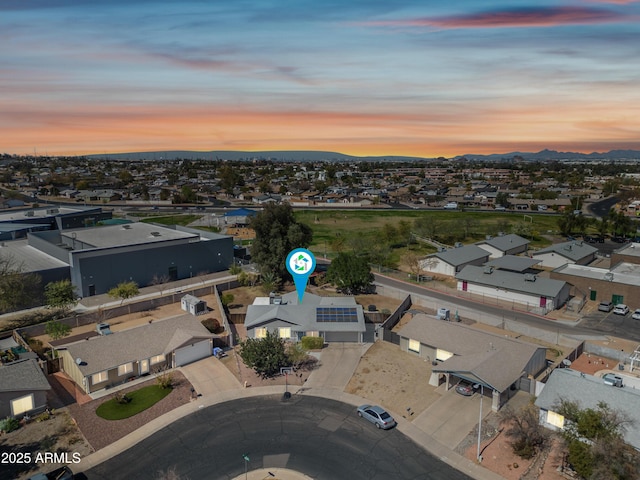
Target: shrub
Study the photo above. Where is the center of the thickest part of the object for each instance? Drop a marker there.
(312, 343)
(165, 379)
(212, 324)
(9, 424)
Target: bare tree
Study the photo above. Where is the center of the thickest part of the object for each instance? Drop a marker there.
(160, 281)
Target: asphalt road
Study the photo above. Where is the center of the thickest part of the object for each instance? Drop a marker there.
(601, 209)
(510, 315)
(321, 438)
(615, 325)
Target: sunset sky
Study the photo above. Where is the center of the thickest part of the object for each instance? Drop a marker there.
(362, 77)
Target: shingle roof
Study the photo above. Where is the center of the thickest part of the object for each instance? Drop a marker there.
(506, 242)
(24, 375)
(462, 255)
(571, 250)
(494, 360)
(588, 391)
(160, 337)
(513, 281)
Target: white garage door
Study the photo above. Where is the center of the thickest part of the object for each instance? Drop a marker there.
(194, 352)
(22, 404)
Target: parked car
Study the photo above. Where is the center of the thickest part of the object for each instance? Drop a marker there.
(636, 315)
(377, 415)
(451, 206)
(621, 309)
(605, 307)
(62, 473)
(103, 329)
(467, 389)
(612, 379)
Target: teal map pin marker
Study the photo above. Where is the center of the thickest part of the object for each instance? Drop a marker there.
(301, 263)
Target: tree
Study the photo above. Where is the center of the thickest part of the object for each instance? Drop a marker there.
(60, 295)
(502, 198)
(414, 263)
(57, 330)
(594, 438)
(427, 226)
(227, 299)
(17, 288)
(124, 291)
(523, 427)
(277, 233)
(265, 355)
(350, 273)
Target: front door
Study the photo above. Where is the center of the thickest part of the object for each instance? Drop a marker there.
(144, 366)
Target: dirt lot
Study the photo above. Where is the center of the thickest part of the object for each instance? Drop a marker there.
(58, 434)
(394, 379)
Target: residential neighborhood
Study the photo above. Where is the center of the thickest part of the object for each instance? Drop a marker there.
(168, 269)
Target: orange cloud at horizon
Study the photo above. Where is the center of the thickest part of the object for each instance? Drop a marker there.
(496, 129)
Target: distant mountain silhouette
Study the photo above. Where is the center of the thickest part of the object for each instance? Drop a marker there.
(322, 156)
(283, 156)
(550, 155)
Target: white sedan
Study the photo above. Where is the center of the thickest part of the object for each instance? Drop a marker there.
(636, 315)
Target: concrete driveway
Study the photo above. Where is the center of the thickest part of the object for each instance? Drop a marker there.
(450, 418)
(209, 376)
(338, 362)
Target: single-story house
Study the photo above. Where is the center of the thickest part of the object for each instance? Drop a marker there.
(193, 305)
(23, 388)
(336, 319)
(107, 360)
(500, 364)
(575, 251)
(501, 245)
(588, 392)
(451, 261)
(524, 289)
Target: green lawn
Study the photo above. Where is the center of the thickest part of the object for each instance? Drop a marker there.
(140, 400)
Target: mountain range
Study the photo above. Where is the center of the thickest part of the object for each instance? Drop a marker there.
(319, 156)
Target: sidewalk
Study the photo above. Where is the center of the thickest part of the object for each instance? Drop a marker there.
(338, 362)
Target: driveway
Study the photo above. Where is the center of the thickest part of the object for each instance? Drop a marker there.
(338, 362)
(209, 376)
(451, 417)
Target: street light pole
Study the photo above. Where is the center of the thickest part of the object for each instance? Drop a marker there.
(246, 463)
(479, 457)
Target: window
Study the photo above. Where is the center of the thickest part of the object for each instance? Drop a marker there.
(124, 369)
(313, 333)
(284, 332)
(22, 404)
(99, 377)
(555, 419)
(261, 332)
(157, 359)
(414, 346)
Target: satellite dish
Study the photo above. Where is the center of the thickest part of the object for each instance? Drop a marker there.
(566, 362)
(78, 361)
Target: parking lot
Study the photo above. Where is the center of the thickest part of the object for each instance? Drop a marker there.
(611, 324)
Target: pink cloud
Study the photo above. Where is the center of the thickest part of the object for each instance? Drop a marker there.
(522, 17)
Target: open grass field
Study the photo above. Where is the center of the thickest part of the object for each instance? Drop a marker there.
(367, 224)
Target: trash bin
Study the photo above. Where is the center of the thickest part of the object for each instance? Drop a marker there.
(620, 366)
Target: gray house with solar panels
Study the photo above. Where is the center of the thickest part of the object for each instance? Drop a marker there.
(336, 319)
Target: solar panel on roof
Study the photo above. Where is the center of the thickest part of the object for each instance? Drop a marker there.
(337, 314)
